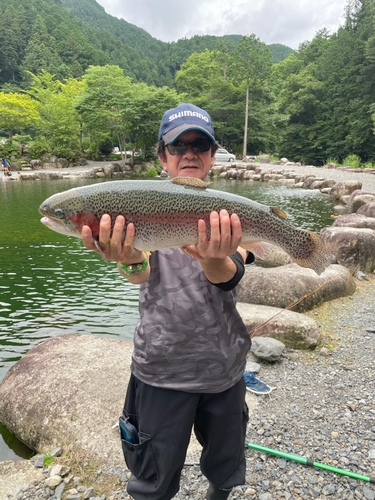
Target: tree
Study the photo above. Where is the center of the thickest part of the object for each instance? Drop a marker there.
(12, 42)
(58, 120)
(301, 100)
(105, 101)
(254, 63)
(196, 76)
(111, 103)
(146, 110)
(17, 111)
(41, 54)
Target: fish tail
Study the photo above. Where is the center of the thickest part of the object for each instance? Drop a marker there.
(318, 257)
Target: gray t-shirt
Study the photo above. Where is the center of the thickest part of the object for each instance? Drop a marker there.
(190, 336)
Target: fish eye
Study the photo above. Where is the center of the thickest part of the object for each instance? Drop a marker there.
(58, 213)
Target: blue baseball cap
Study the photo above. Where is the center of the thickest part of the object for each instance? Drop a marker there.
(185, 117)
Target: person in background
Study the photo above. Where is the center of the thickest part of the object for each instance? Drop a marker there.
(5, 167)
(190, 344)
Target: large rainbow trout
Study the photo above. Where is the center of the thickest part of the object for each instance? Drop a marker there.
(166, 213)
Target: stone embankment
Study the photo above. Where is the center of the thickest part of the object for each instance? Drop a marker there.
(90, 170)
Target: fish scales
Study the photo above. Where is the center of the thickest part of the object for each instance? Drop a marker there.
(166, 214)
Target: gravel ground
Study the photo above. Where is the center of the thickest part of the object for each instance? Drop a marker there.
(322, 408)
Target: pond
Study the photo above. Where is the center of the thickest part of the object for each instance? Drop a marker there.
(51, 285)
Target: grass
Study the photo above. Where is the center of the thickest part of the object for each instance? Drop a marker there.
(353, 161)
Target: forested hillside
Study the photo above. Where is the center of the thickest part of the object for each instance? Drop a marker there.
(65, 37)
(327, 90)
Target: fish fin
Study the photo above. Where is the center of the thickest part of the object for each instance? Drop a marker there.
(100, 250)
(189, 181)
(280, 213)
(319, 258)
(191, 252)
(258, 248)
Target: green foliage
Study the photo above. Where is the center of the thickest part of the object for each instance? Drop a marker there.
(327, 90)
(253, 63)
(64, 152)
(152, 172)
(279, 52)
(58, 121)
(16, 112)
(24, 140)
(131, 111)
(352, 161)
(106, 146)
(8, 149)
(38, 148)
(65, 37)
(48, 460)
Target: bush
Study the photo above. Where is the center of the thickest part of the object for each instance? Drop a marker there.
(7, 150)
(38, 148)
(24, 140)
(353, 161)
(106, 146)
(65, 152)
(152, 172)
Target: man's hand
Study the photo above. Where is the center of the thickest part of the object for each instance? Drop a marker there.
(213, 254)
(112, 247)
(226, 234)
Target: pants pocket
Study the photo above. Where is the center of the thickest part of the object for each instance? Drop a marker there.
(139, 457)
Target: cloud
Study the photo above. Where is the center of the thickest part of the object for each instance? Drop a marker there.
(289, 22)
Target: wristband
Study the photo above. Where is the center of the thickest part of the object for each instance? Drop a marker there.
(133, 269)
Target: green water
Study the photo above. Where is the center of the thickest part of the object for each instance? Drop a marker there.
(51, 285)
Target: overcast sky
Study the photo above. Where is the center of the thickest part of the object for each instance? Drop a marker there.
(289, 22)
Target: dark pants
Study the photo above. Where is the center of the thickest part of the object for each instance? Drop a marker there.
(164, 419)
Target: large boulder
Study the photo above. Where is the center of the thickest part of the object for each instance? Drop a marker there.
(69, 391)
(344, 187)
(285, 285)
(362, 199)
(273, 256)
(295, 330)
(62, 163)
(355, 220)
(36, 164)
(368, 210)
(359, 192)
(354, 248)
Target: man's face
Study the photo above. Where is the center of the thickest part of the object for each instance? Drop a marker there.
(189, 164)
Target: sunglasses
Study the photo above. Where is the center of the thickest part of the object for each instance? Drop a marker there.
(178, 148)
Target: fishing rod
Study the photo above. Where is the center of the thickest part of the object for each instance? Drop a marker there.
(306, 461)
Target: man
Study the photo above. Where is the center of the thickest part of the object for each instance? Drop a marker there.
(190, 344)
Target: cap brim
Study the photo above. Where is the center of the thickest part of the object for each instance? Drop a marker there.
(173, 134)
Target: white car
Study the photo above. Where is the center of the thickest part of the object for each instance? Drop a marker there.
(224, 155)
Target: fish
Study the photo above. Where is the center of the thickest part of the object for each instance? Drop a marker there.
(165, 214)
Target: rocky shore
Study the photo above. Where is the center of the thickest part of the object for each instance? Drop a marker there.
(322, 407)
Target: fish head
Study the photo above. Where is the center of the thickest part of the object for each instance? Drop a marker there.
(66, 213)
